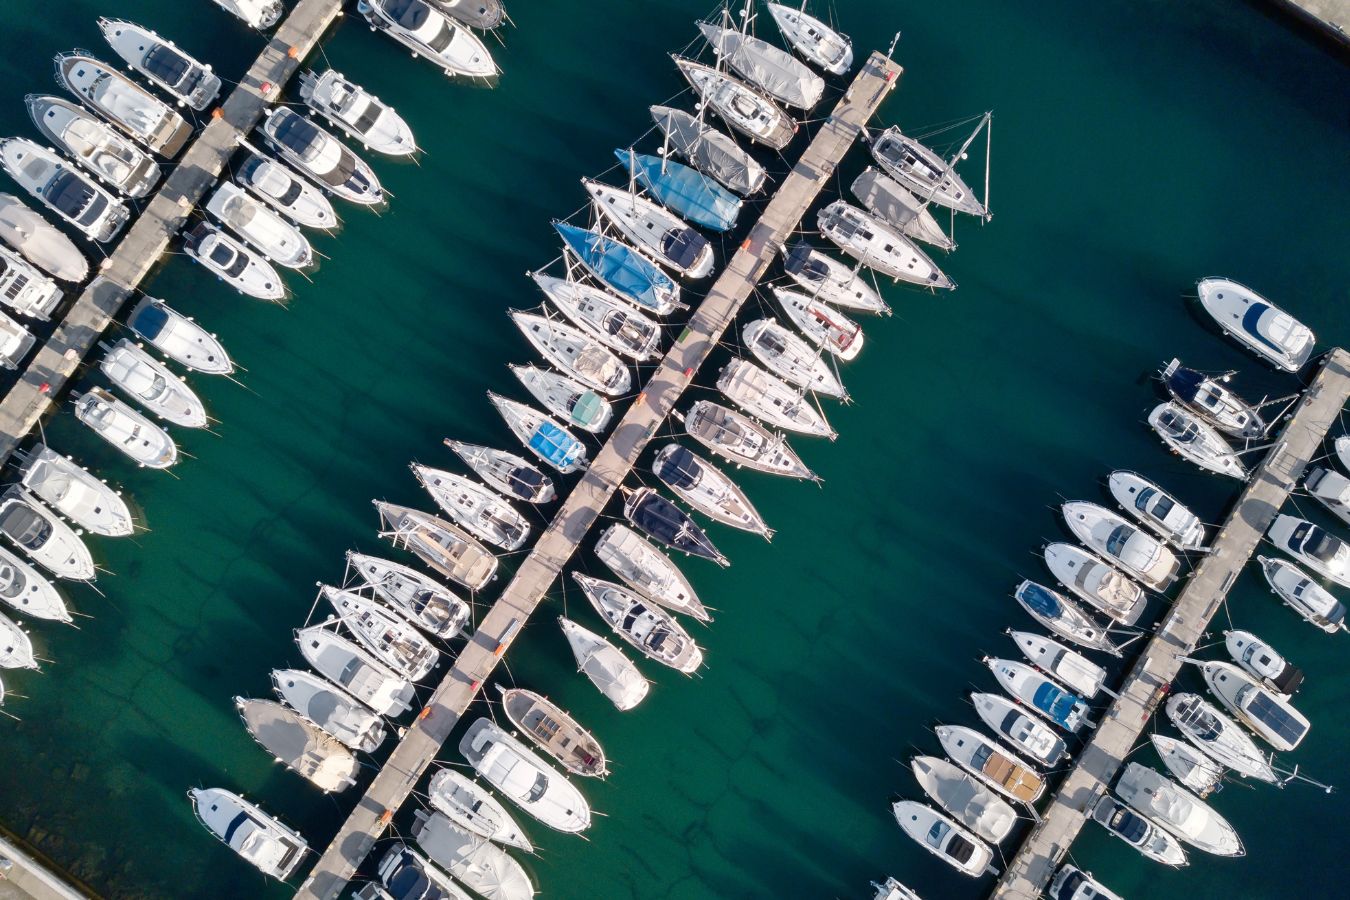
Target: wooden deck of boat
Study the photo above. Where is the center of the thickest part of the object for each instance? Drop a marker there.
(579, 510)
(1301, 441)
(145, 241)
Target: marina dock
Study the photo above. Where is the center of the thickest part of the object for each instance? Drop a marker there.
(1180, 631)
(22, 877)
(507, 617)
(147, 239)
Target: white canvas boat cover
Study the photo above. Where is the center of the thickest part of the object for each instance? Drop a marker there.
(482, 866)
(772, 69)
(710, 150)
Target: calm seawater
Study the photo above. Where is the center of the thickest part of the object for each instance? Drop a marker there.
(1137, 146)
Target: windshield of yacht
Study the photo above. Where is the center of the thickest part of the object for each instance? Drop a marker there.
(169, 66)
(223, 255)
(1183, 431)
(410, 14)
(24, 526)
(1118, 540)
(299, 135)
(1129, 826)
(75, 198)
(1321, 546)
(538, 789)
(12, 582)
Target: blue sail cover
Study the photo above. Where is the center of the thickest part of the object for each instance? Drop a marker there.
(621, 267)
(684, 191)
(555, 445)
(1058, 705)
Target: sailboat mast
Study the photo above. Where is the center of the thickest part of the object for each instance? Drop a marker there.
(988, 147)
(632, 178)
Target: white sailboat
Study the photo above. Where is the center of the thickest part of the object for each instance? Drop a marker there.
(822, 325)
(878, 246)
(791, 358)
(605, 665)
(355, 670)
(651, 573)
(472, 807)
(658, 233)
(429, 605)
(388, 636)
(507, 472)
(575, 352)
(741, 440)
(475, 507)
(572, 402)
(771, 399)
(708, 490)
(817, 42)
(614, 322)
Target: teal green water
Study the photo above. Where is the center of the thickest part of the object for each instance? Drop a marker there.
(1136, 147)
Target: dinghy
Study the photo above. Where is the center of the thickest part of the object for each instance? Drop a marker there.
(684, 191)
(1218, 736)
(446, 548)
(1305, 596)
(621, 268)
(708, 490)
(117, 423)
(572, 402)
(428, 604)
(357, 112)
(529, 782)
(826, 278)
(610, 320)
(470, 806)
(822, 325)
(974, 805)
(1179, 811)
(179, 337)
(259, 839)
(152, 384)
(944, 838)
(667, 524)
(507, 472)
(235, 264)
(112, 158)
(575, 353)
(605, 665)
(791, 358)
(1264, 328)
(1196, 440)
(648, 571)
(262, 227)
(817, 43)
(892, 203)
(162, 63)
(763, 65)
(879, 246)
(1098, 583)
(353, 669)
(772, 399)
(121, 101)
(541, 435)
(75, 492)
(555, 732)
(659, 234)
(648, 629)
(709, 150)
(739, 105)
(321, 157)
(1209, 399)
(24, 289)
(1059, 614)
(1117, 540)
(43, 537)
(739, 439)
(1157, 510)
(389, 637)
(74, 197)
(275, 184)
(475, 507)
(299, 744)
(326, 706)
(1153, 842)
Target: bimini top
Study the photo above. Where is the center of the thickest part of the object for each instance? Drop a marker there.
(684, 191)
(679, 467)
(556, 446)
(1059, 705)
(620, 267)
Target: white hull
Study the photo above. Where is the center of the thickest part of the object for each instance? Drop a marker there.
(613, 674)
(614, 322)
(426, 603)
(791, 358)
(648, 571)
(1180, 812)
(1106, 533)
(70, 194)
(879, 246)
(75, 493)
(118, 99)
(274, 183)
(524, 778)
(740, 440)
(444, 547)
(340, 716)
(126, 429)
(541, 435)
(460, 51)
(16, 648)
(815, 41)
(28, 591)
(1258, 324)
(573, 403)
(944, 838)
(1022, 730)
(474, 507)
(576, 353)
(358, 113)
(740, 106)
(822, 325)
(652, 229)
(161, 63)
(650, 630)
(506, 472)
(236, 265)
(1096, 582)
(39, 241)
(321, 157)
(112, 158)
(826, 278)
(962, 796)
(1195, 439)
(708, 490)
(387, 636)
(353, 669)
(258, 224)
(771, 399)
(179, 338)
(151, 384)
(261, 840)
(470, 805)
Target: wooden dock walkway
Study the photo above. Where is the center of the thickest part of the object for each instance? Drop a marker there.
(579, 510)
(1099, 762)
(146, 241)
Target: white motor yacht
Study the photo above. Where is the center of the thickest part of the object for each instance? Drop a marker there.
(1193, 438)
(991, 762)
(1305, 596)
(126, 429)
(771, 70)
(1109, 534)
(39, 241)
(257, 14)
(815, 41)
(612, 321)
(261, 840)
(25, 589)
(446, 548)
(475, 507)
(826, 278)
(330, 708)
(791, 358)
(658, 233)
(273, 182)
(16, 648)
(151, 384)
(1040, 693)
(575, 352)
(1314, 546)
(408, 875)
(651, 573)
(427, 31)
(772, 399)
(179, 337)
(1192, 769)
(24, 289)
(507, 472)
(426, 603)
(355, 670)
(609, 670)
(1263, 662)
(928, 175)
(320, 156)
(73, 196)
(121, 101)
(1270, 716)
(542, 435)
(241, 268)
(1063, 617)
(530, 783)
(1157, 510)
(879, 246)
(944, 838)
(1074, 670)
(707, 489)
(75, 492)
(261, 226)
(299, 744)
(1331, 489)
(1218, 736)
(162, 63)
(113, 158)
(388, 636)
(741, 440)
(1265, 329)
(960, 794)
(1098, 583)
(358, 112)
(1179, 811)
(822, 324)
(572, 402)
(480, 865)
(742, 107)
(709, 150)
(1023, 731)
(892, 203)
(15, 342)
(471, 806)
(650, 630)
(1208, 398)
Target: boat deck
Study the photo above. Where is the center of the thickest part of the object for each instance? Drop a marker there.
(580, 509)
(1099, 762)
(146, 240)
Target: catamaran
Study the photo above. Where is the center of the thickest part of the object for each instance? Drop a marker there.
(741, 440)
(428, 604)
(275, 184)
(684, 191)
(648, 571)
(612, 321)
(605, 665)
(321, 157)
(650, 630)
(357, 112)
(113, 158)
(121, 101)
(446, 548)
(879, 246)
(708, 490)
(709, 150)
(621, 268)
(569, 400)
(261, 226)
(475, 507)
(740, 106)
(73, 196)
(234, 263)
(771, 398)
(162, 63)
(507, 472)
(791, 358)
(826, 278)
(39, 241)
(813, 39)
(74, 492)
(179, 337)
(575, 352)
(542, 435)
(126, 429)
(1265, 329)
(152, 384)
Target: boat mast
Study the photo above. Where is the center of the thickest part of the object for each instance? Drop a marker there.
(988, 147)
(632, 178)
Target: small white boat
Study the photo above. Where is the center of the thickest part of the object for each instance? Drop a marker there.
(826, 278)
(817, 43)
(427, 604)
(320, 156)
(892, 203)
(822, 324)
(1098, 583)
(648, 571)
(39, 241)
(612, 321)
(944, 838)
(1331, 489)
(408, 874)
(16, 648)
(75, 492)
(791, 358)
(241, 268)
(1074, 670)
(741, 440)
(891, 889)
(25, 589)
(879, 246)
(73, 196)
(299, 744)
(121, 101)
(1218, 736)
(1062, 616)
(529, 782)
(1022, 730)
(275, 184)
(1072, 883)
(1261, 661)
(572, 402)
(444, 547)
(1179, 811)
(358, 112)
(1154, 842)
(482, 867)
(475, 507)
(553, 730)
(507, 472)
(771, 70)
(1195, 439)
(331, 709)
(1157, 510)
(112, 158)
(179, 337)
(1305, 596)
(1265, 329)
(658, 233)
(162, 63)
(575, 352)
(1040, 693)
(1314, 546)
(126, 429)
(1212, 401)
(929, 176)
(1192, 769)
(609, 670)
(772, 399)
(427, 31)
(648, 629)
(151, 384)
(261, 840)
(1270, 716)
(257, 14)
(542, 435)
(739, 105)
(261, 226)
(974, 805)
(707, 489)
(15, 342)
(24, 289)
(389, 637)
(355, 670)
(991, 762)
(1115, 539)
(709, 150)
(471, 806)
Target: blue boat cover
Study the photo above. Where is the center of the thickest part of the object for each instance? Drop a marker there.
(620, 267)
(555, 445)
(1056, 704)
(685, 191)
(150, 321)
(1042, 600)
(1251, 320)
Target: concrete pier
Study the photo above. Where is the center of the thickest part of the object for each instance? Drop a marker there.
(24, 877)
(145, 242)
(1331, 16)
(1103, 757)
(579, 510)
